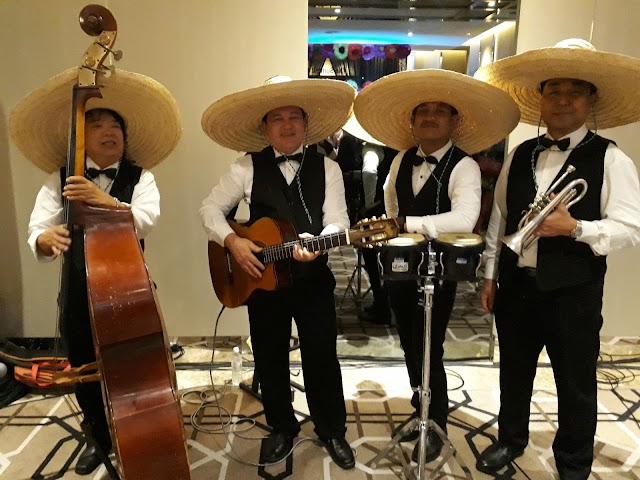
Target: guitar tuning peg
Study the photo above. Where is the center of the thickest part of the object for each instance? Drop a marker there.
(384, 215)
(374, 218)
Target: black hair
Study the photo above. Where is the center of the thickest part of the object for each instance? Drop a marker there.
(304, 114)
(592, 88)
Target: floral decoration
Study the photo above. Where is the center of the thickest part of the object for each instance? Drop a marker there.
(355, 51)
(340, 50)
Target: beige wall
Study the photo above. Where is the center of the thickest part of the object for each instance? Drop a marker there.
(200, 50)
(610, 25)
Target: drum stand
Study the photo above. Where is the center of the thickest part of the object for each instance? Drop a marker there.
(423, 423)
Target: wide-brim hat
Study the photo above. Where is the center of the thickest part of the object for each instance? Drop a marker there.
(487, 114)
(354, 128)
(616, 77)
(234, 120)
(39, 123)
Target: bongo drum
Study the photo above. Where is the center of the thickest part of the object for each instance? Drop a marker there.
(458, 256)
(401, 258)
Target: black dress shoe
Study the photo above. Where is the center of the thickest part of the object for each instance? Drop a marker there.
(375, 315)
(277, 446)
(88, 461)
(496, 456)
(411, 435)
(434, 447)
(341, 452)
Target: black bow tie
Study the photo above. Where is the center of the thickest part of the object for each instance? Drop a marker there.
(561, 144)
(92, 173)
(418, 160)
(282, 158)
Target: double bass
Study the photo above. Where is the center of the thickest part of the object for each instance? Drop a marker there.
(132, 351)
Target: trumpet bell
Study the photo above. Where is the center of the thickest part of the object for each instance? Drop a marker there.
(516, 242)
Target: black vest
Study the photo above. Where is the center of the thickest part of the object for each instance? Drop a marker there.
(122, 188)
(124, 183)
(562, 261)
(424, 203)
(272, 197)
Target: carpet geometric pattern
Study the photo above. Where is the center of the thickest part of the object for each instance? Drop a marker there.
(40, 436)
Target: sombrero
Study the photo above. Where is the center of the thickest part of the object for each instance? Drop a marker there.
(384, 108)
(354, 128)
(234, 120)
(616, 77)
(39, 123)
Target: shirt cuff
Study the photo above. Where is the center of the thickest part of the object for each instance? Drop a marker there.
(422, 225)
(219, 237)
(589, 231)
(32, 241)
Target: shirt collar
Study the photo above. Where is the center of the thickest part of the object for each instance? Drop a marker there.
(280, 154)
(574, 137)
(438, 154)
(89, 163)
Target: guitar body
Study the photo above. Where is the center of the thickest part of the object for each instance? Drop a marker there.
(233, 286)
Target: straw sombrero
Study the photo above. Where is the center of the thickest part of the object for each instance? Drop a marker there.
(354, 128)
(234, 120)
(384, 108)
(616, 77)
(39, 123)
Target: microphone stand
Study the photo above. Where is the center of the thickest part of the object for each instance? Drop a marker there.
(423, 423)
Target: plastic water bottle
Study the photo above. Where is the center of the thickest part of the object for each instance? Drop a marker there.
(236, 367)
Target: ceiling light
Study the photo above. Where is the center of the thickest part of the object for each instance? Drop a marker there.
(337, 10)
(410, 34)
(412, 8)
(411, 19)
(492, 4)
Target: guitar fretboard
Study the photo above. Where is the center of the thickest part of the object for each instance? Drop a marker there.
(282, 251)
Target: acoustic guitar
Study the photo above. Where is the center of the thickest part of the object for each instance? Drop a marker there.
(233, 286)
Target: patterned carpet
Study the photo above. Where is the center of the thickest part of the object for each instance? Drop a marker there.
(40, 436)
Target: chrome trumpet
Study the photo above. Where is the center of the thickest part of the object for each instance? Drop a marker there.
(540, 209)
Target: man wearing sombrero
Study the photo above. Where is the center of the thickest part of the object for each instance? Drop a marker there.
(134, 127)
(550, 295)
(281, 178)
(436, 118)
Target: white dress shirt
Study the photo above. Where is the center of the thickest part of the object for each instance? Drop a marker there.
(48, 209)
(619, 205)
(236, 185)
(372, 155)
(465, 190)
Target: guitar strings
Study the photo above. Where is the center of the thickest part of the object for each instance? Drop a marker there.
(284, 250)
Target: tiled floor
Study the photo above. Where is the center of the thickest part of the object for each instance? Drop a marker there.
(39, 437)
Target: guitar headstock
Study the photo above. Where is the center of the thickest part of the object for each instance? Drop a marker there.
(372, 232)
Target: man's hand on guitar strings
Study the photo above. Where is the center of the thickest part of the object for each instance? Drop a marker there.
(243, 250)
(301, 254)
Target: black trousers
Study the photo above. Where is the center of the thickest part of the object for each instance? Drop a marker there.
(410, 321)
(310, 302)
(567, 322)
(76, 333)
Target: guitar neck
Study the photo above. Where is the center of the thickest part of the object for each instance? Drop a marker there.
(321, 243)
